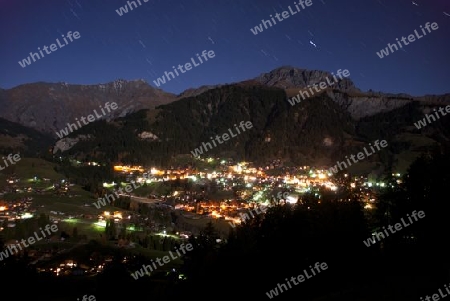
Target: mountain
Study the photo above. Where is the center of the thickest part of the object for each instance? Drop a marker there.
(154, 127)
(48, 107)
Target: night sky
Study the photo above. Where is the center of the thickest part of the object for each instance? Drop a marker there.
(149, 40)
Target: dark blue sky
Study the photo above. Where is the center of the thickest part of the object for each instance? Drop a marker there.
(149, 40)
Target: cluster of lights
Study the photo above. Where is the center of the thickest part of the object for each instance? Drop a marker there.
(370, 184)
(122, 168)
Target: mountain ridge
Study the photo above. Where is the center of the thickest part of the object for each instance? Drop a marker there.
(48, 107)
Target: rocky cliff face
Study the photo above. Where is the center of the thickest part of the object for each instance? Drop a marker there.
(290, 77)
